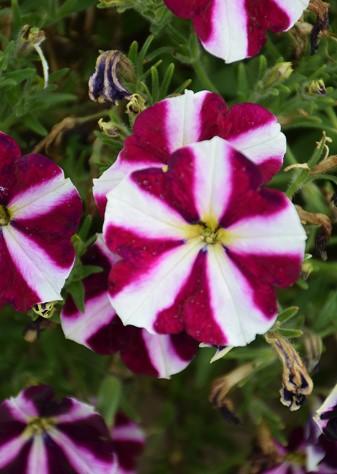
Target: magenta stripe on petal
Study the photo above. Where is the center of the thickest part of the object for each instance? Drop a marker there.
(13, 288)
(177, 194)
(43, 398)
(10, 427)
(264, 272)
(187, 8)
(19, 464)
(52, 231)
(140, 255)
(191, 310)
(58, 462)
(91, 434)
(247, 198)
(129, 441)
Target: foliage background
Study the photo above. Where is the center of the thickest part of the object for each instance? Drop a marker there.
(185, 433)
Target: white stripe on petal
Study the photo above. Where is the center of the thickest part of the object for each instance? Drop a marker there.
(183, 122)
(293, 8)
(163, 355)
(232, 300)
(261, 143)
(10, 450)
(38, 270)
(140, 302)
(212, 180)
(281, 233)
(133, 209)
(128, 432)
(80, 458)
(98, 312)
(229, 39)
(38, 200)
(38, 461)
(78, 411)
(329, 403)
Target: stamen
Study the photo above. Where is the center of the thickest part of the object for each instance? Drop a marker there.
(4, 215)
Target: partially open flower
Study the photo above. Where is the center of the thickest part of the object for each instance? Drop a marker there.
(237, 30)
(39, 213)
(129, 441)
(100, 329)
(106, 84)
(326, 416)
(40, 434)
(178, 121)
(202, 246)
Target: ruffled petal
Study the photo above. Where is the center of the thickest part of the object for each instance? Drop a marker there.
(326, 416)
(237, 30)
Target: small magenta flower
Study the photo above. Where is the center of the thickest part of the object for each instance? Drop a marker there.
(100, 329)
(106, 84)
(129, 442)
(40, 434)
(39, 212)
(202, 246)
(234, 30)
(178, 121)
(326, 416)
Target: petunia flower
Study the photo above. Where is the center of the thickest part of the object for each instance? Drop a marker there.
(234, 30)
(178, 121)
(202, 246)
(40, 434)
(326, 416)
(100, 329)
(39, 212)
(129, 442)
(306, 452)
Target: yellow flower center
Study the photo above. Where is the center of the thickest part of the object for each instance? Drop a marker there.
(210, 232)
(4, 215)
(37, 426)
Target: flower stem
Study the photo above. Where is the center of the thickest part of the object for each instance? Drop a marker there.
(202, 76)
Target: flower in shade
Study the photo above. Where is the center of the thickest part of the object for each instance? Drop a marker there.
(178, 121)
(106, 84)
(234, 30)
(202, 246)
(99, 328)
(40, 434)
(39, 213)
(306, 452)
(129, 441)
(326, 416)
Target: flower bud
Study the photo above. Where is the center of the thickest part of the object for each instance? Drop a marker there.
(277, 74)
(106, 84)
(316, 87)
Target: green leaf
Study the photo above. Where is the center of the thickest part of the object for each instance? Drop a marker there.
(108, 398)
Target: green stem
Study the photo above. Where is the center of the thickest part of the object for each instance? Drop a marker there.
(332, 116)
(202, 76)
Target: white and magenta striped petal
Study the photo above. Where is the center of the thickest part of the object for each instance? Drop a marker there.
(326, 416)
(99, 328)
(35, 246)
(219, 287)
(129, 442)
(53, 436)
(234, 30)
(179, 121)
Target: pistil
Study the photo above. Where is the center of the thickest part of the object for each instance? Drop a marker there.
(37, 426)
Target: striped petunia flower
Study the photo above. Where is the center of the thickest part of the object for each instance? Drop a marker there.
(129, 442)
(99, 328)
(202, 246)
(40, 434)
(305, 453)
(178, 121)
(234, 30)
(326, 416)
(39, 212)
